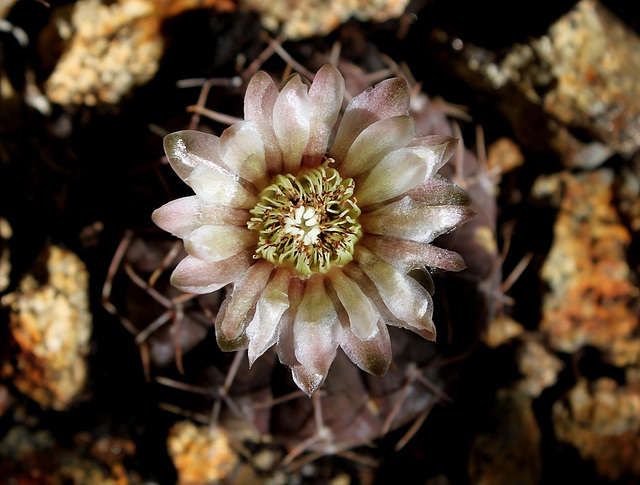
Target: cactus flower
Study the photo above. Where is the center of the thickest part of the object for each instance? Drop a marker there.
(319, 239)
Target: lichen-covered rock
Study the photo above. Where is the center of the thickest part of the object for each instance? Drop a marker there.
(319, 17)
(50, 325)
(538, 366)
(628, 194)
(201, 454)
(591, 298)
(112, 47)
(602, 420)
(579, 78)
(501, 330)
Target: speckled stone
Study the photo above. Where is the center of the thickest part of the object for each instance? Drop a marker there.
(602, 420)
(591, 299)
(501, 330)
(112, 47)
(581, 77)
(299, 20)
(200, 454)
(50, 325)
(538, 367)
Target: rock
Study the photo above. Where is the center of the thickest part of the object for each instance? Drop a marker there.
(112, 47)
(602, 420)
(628, 194)
(539, 368)
(501, 330)
(50, 326)
(200, 454)
(581, 77)
(591, 298)
(317, 17)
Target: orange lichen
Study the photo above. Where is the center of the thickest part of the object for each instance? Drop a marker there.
(602, 420)
(591, 296)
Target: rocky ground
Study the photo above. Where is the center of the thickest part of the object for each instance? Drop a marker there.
(110, 376)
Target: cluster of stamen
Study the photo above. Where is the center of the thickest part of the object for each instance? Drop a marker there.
(308, 222)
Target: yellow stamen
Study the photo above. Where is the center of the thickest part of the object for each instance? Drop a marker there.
(308, 222)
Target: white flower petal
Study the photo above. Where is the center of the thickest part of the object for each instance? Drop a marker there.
(241, 149)
(262, 331)
(426, 330)
(326, 95)
(417, 221)
(316, 329)
(375, 142)
(372, 355)
(215, 243)
(233, 315)
(192, 275)
(403, 296)
(189, 149)
(181, 216)
(259, 100)
(439, 191)
(363, 317)
(406, 255)
(214, 187)
(308, 381)
(443, 146)
(286, 346)
(291, 122)
(397, 173)
(388, 98)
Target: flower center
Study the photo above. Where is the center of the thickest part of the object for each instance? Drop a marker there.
(308, 222)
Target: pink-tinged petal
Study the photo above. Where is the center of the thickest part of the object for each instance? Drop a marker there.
(408, 219)
(215, 243)
(181, 216)
(426, 329)
(403, 296)
(242, 150)
(406, 255)
(375, 142)
(291, 122)
(442, 144)
(439, 191)
(189, 149)
(397, 173)
(326, 94)
(214, 187)
(235, 313)
(259, 100)
(363, 316)
(286, 348)
(262, 331)
(192, 275)
(307, 381)
(316, 329)
(239, 343)
(372, 355)
(388, 98)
